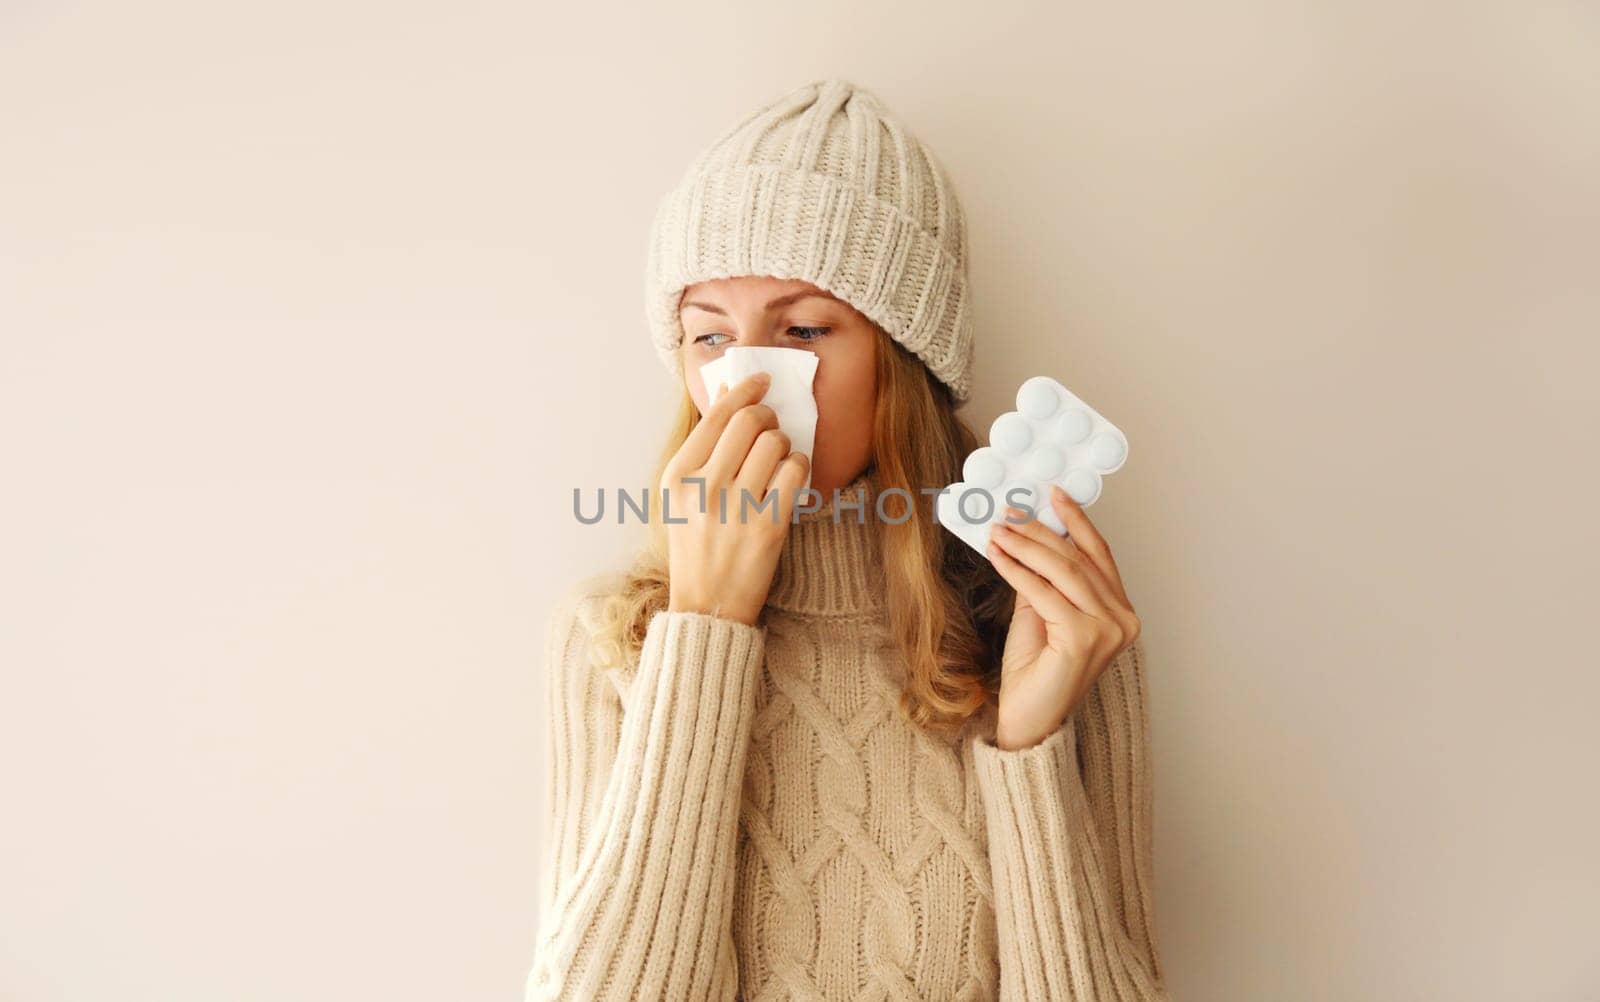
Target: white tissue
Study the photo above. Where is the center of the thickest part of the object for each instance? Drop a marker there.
(791, 394)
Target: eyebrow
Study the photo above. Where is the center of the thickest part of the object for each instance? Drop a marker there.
(774, 304)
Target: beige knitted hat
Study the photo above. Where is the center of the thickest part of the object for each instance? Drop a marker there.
(824, 185)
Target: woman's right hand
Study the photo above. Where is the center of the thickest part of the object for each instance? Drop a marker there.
(719, 561)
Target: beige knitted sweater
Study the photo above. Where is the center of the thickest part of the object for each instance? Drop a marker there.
(744, 814)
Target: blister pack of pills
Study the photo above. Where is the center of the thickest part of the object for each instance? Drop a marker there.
(1053, 437)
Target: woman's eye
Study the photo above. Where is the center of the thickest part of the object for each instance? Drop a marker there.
(803, 333)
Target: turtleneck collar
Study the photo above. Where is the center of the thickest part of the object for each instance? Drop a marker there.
(831, 563)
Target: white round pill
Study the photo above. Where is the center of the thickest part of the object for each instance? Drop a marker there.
(1082, 485)
(1038, 398)
(1107, 451)
(1045, 462)
(984, 468)
(1010, 433)
(1073, 426)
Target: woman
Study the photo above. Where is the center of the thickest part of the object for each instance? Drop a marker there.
(837, 754)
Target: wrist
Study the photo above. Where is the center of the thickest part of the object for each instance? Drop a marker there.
(1020, 734)
(738, 612)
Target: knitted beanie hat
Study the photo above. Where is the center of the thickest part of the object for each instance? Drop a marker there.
(824, 185)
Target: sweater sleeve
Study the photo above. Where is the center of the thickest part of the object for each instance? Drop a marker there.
(1069, 833)
(642, 797)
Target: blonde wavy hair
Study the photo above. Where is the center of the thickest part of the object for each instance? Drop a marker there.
(947, 608)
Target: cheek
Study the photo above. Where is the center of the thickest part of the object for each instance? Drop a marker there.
(846, 397)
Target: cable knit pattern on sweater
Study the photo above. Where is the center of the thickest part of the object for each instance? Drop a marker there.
(744, 814)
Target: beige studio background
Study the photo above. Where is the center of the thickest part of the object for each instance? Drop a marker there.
(312, 315)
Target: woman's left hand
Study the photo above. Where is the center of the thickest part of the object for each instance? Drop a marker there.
(1072, 618)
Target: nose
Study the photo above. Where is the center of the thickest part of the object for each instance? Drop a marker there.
(757, 334)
